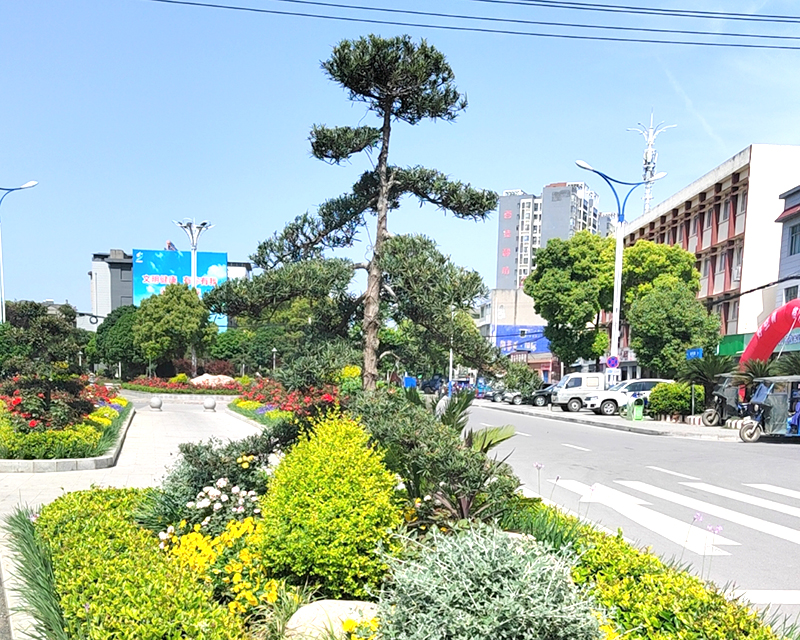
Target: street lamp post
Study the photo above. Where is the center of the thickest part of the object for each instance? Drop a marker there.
(27, 185)
(193, 230)
(612, 373)
(274, 352)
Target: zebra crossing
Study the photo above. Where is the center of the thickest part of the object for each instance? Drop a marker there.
(642, 503)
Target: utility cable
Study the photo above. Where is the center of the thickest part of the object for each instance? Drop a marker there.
(735, 45)
(629, 9)
(540, 22)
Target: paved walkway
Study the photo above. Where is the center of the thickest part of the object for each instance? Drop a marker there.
(150, 447)
(646, 426)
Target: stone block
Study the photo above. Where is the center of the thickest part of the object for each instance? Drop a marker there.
(44, 466)
(86, 464)
(315, 621)
(66, 465)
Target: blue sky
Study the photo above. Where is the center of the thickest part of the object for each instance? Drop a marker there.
(131, 114)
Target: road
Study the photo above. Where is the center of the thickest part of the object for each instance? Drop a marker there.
(730, 510)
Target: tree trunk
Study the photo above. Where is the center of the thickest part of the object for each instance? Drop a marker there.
(375, 273)
(194, 362)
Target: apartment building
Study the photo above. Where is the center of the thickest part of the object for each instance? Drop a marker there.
(727, 218)
(527, 222)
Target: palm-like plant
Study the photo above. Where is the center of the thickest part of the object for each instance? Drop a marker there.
(754, 369)
(787, 364)
(704, 371)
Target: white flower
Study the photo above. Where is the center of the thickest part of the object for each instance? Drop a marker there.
(217, 506)
(256, 510)
(170, 529)
(241, 500)
(204, 503)
(251, 493)
(163, 535)
(235, 490)
(190, 505)
(224, 497)
(222, 483)
(162, 546)
(254, 499)
(239, 509)
(214, 493)
(205, 521)
(208, 489)
(426, 498)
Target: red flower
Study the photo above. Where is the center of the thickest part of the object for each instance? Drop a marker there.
(16, 401)
(327, 397)
(32, 424)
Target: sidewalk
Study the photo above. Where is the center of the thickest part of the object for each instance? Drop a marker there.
(647, 426)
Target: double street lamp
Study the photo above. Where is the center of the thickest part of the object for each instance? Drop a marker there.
(194, 231)
(27, 185)
(612, 372)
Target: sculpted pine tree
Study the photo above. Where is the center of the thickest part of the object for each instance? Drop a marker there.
(399, 81)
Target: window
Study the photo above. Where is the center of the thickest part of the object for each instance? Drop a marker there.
(789, 294)
(722, 261)
(709, 218)
(794, 239)
(125, 276)
(726, 210)
(706, 265)
(695, 224)
(574, 382)
(742, 203)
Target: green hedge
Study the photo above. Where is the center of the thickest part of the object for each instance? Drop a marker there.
(644, 598)
(195, 391)
(84, 440)
(114, 582)
(675, 398)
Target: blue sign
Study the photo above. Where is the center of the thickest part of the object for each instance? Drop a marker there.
(612, 362)
(513, 338)
(154, 270)
(693, 354)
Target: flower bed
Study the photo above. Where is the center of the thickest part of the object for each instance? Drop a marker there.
(393, 506)
(160, 385)
(24, 438)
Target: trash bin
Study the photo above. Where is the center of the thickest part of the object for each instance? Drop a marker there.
(637, 409)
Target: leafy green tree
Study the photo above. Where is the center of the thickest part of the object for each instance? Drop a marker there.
(166, 326)
(646, 261)
(115, 341)
(571, 283)
(666, 321)
(42, 362)
(399, 81)
(520, 377)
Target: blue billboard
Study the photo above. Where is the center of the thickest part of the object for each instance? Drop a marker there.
(154, 270)
(511, 338)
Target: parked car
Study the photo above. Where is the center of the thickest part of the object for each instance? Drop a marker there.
(571, 391)
(608, 402)
(512, 397)
(495, 394)
(433, 385)
(541, 397)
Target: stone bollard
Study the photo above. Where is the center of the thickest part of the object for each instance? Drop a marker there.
(209, 404)
(155, 403)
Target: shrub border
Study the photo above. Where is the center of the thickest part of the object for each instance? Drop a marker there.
(8, 465)
(197, 391)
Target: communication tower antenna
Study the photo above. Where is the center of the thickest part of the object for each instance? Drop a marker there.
(650, 156)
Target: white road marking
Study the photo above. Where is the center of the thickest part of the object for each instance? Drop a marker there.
(769, 596)
(484, 424)
(743, 497)
(751, 522)
(693, 538)
(789, 493)
(519, 433)
(673, 473)
(574, 446)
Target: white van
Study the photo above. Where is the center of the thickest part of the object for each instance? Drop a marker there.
(572, 390)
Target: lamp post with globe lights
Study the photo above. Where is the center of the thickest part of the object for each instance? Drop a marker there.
(193, 230)
(27, 185)
(612, 373)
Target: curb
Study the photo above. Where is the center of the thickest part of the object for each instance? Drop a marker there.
(616, 427)
(233, 413)
(71, 464)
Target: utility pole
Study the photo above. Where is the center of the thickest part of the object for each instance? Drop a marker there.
(650, 156)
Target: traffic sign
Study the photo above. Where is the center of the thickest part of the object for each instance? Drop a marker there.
(693, 354)
(612, 362)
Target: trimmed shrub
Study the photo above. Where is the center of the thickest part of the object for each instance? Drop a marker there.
(648, 600)
(328, 507)
(114, 582)
(483, 584)
(181, 378)
(675, 398)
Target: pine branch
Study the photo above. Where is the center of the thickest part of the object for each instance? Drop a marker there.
(336, 144)
(433, 186)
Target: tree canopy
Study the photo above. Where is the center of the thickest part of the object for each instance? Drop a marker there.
(166, 326)
(398, 80)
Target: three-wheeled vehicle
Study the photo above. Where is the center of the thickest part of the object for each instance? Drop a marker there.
(726, 402)
(774, 409)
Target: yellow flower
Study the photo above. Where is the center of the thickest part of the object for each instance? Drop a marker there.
(245, 465)
(349, 625)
